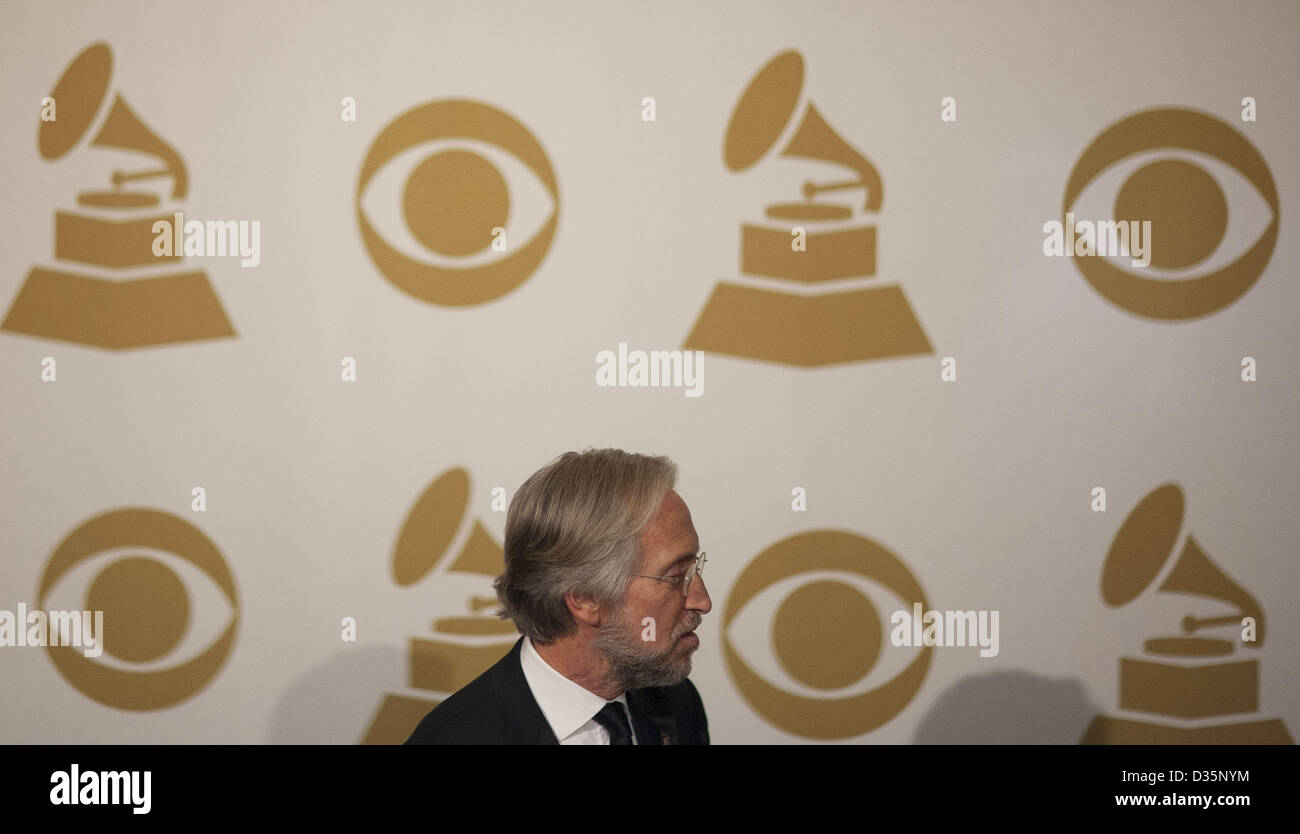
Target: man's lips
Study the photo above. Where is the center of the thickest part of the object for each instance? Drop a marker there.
(690, 637)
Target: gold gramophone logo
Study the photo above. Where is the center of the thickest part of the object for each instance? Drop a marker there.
(1186, 207)
(826, 634)
(112, 233)
(457, 204)
(1192, 683)
(463, 647)
(147, 607)
(785, 314)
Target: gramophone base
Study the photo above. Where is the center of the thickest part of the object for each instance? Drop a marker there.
(118, 314)
(1107, 730)
(397, 718)
(444, 666)
(843, 253)
(808, 330)
(1189, 692)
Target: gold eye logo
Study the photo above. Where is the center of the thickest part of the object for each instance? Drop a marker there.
(826, 634)
(456, 203)
(1186, 207)
(146, 608)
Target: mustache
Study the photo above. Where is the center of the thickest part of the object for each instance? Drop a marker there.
(692, 623)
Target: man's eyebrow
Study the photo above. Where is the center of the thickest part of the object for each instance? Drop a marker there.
(684, 558)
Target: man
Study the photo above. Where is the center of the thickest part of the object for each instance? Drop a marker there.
(603, 580)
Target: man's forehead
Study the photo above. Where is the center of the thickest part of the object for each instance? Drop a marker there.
(672, 533)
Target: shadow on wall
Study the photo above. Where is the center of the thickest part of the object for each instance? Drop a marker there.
(1008, 708)
(336, 700)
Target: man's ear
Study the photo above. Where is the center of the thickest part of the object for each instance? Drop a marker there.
(584, 609)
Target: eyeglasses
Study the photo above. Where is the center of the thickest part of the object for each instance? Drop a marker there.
(696, 568)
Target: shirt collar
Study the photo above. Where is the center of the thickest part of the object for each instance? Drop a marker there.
(566, 705)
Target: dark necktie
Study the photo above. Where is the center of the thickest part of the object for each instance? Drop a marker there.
(614, 720)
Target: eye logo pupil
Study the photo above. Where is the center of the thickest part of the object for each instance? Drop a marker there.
(1186, 207)
(453, 201)
(147, 604)
(827, 635)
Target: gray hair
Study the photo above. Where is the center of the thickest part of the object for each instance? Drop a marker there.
(574, 526)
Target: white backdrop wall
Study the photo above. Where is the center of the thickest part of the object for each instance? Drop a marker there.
(982, 486)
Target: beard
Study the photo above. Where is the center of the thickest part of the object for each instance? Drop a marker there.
(636, 664)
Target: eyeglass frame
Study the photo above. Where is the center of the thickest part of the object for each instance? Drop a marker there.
(696, 569)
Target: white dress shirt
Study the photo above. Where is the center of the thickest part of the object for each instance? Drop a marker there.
(569, 708)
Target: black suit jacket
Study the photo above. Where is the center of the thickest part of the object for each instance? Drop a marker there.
(497, 707)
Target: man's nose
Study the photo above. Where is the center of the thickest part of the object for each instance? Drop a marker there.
(698, 599)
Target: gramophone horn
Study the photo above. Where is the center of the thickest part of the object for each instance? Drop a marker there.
(124, 129)
(432, 524)
(1142, 545)
(78, 95)
(1194, 573)
(816, 139)
(763, 111)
